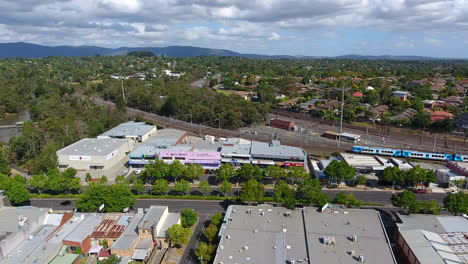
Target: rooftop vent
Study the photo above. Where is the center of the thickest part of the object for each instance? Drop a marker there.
(288, 246)
(354, 238)
(245, 247)
(285, 230)
(330, 241)
(255, 231)
(361, 258)
(228, 237)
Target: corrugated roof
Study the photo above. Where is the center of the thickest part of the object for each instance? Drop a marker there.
(152, 217)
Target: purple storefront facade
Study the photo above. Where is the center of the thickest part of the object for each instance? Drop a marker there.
(208, 160)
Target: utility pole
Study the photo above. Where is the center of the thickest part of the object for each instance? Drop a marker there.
(341, 119)
(123, 91)
(435, 141)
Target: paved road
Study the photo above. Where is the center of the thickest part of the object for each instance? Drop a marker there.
(212, 207)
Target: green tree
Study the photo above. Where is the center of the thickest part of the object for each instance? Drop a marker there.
(296, 172)
(154, 171)
(404, 200)
(250, 171)
(39, 183)
(120, 197)
(17, 193)
(4, 167)
(139, 186)
(88, 177)
(457, 203)
(347, 199)
(189, 217)
(310, 193)
(419, 175)
(361, 180)
(47, 159)
(103, 179)
(178, 235)
(193, 171)
(252, 191)
(225, 187)
(285, 195)
(276, 173)
(425, 207)
(29, 144)
(204, 187)
(93, 197)
(340, 170)
(176, 169)
(121, 179)
(160, 187)
(182, 187)
(113, 259)
(393, 174)
(205, 252)
(225, 172)
(216, 219)
(211, 232)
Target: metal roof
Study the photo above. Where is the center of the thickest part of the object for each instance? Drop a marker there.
(171, 219)
(152, 217)
(356, 160)
(129, 236)
(265, 234)
(112, 226)
(139, 254)
(93, 147)
(276, 150)
(129, 129)
(341, 225)
(85, 228)
(9, 217)
(236, 147)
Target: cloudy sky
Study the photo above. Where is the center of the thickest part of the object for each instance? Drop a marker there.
(293, 27)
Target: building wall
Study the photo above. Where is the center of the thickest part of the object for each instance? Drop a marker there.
(149, 134)
(106, 161)
(411, 258)
(85, 245)
(126, 252)
(161, 222)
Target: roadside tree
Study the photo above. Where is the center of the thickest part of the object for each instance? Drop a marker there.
(182, 187)
(189, 217)
(225, 172)
(176, 170)
(340, 171)
(252, 191)
(225, 187)
(178, 235)
(205, 252)
(160, 187)
(193, 172)
(347, 199)
(204, 187)
(457, 203)
(404, 200)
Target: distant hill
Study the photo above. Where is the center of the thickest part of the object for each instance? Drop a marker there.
(28, 50)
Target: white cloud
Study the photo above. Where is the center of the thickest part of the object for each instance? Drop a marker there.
(274, 36)
(210, 22)
(433, 41)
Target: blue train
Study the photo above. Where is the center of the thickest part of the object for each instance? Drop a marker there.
(409, 153)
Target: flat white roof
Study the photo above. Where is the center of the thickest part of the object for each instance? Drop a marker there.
(129, 129)
(93, 147)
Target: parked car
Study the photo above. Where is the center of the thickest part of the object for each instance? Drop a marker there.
(138, 171)
(454, 191)
(420, 191)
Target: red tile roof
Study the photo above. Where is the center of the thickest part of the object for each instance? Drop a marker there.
(104, 254)
(357, 94)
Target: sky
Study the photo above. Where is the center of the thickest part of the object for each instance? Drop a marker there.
(272, 27)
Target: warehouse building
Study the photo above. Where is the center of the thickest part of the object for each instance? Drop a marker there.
(334, 235)
(136, 131)
(433, 239)
(95, 154)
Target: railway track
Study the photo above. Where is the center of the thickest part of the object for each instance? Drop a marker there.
(199, 130)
